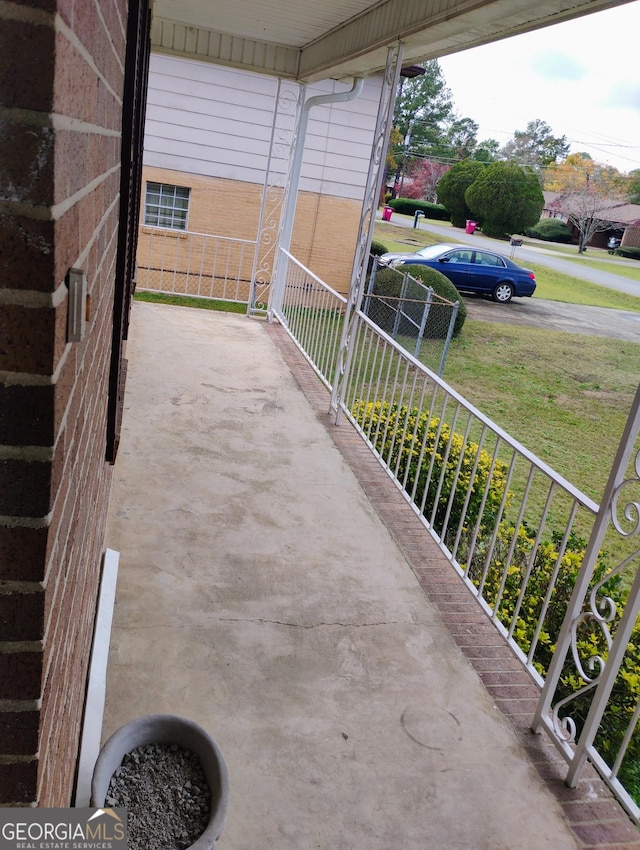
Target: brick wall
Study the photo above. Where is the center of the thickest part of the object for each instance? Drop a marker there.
(231, 208)
(61, 78)
(631, 238)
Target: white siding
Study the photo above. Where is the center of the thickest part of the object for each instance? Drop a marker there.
(214, 121)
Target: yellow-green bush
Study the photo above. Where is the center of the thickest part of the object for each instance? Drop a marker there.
(429, 453)
(505, 593)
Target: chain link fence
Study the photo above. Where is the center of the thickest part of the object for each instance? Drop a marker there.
(412, 314)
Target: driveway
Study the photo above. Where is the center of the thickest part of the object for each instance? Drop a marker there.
(536, 312)
(557, 316)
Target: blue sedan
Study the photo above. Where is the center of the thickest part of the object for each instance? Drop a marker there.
(471, 270)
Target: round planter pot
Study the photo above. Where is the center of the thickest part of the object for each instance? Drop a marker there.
(167, 729)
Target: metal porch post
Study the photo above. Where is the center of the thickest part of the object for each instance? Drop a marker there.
(367, 218)
(601, 611)
(276, 187)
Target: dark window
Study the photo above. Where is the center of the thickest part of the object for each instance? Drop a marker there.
(460, 257)
(133, 112)
(166, 206)
(485, 259)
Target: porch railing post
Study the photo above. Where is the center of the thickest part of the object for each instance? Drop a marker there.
(370, 204)
(275, 189)
(604, 680)
(447, 342)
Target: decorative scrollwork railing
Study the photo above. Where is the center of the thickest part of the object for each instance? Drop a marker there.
(590, 704)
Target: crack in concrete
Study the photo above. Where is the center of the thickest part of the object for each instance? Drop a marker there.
(319, 625)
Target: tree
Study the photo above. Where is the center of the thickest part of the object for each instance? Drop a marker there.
(535, 145)
(422, 178)
(460, 139)
(423, 106)
(487, 150)
(633, 186)
(395, 142)
(579, 170)
(588, 209)
(452, 187)
(505, 198)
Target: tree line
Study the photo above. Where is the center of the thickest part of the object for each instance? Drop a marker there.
(434, 155)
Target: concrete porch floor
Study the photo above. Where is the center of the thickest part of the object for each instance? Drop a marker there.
(261, 595)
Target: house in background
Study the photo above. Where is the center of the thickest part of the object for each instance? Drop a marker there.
(622, 219)
(208, 151)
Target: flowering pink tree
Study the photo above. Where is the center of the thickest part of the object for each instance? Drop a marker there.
(421, 179)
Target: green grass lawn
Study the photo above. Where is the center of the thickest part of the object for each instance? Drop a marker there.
(620, 266)
(556, 286)
(566, 397)
(191, 301)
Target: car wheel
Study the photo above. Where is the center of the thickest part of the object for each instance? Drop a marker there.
(503, 293)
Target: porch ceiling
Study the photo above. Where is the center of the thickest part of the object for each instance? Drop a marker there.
(309, 40)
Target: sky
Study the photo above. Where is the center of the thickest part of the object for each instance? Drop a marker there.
(581, 77)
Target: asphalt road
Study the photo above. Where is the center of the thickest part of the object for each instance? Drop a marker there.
(536, 312)
(557, 316)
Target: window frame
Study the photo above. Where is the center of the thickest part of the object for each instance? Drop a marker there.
(171, 210)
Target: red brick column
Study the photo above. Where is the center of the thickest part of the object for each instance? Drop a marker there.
(61, 79)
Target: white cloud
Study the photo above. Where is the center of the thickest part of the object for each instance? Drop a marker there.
(556, 65)
(581, 77)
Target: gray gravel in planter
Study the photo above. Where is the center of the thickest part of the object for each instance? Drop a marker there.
(166, 794)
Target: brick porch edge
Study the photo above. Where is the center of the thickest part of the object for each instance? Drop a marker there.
(596, 818)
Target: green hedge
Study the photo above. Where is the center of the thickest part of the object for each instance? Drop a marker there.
(378, 248)
(408, 206)
(443, 287)
(631, 253)
(551, 230)
(435, 442)
(590, 638)
(389, 283)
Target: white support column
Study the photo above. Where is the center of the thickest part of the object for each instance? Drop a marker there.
(284, 130)
(367, 218)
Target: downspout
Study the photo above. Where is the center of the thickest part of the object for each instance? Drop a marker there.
(296, 165)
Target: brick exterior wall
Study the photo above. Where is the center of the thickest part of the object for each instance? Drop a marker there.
(61, 82)
(631, 238)
(231, 208)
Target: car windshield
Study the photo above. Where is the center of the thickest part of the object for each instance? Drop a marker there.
(432, 251)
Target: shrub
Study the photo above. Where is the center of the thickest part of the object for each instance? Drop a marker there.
(420, 452)
(631, 253)
(505, 198)
(378, 248)
(418, 461)
(518, 599)
(408, 206)
(443, 287)
(388, 284)
(551, 230)
(453, 186)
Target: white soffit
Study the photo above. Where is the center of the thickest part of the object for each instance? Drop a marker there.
(310, 40)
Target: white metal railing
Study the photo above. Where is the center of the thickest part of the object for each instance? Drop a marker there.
(194, 264)
(548, 565)
(311, 312)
